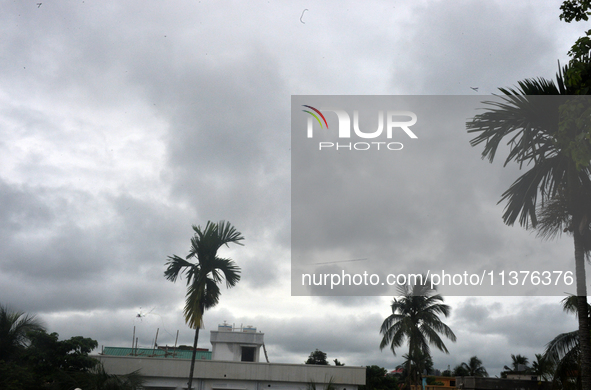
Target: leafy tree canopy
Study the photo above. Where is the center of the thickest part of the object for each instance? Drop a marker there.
(376, 378)
(49, 355)
(575, 10)
(33, 359)
(317, 357)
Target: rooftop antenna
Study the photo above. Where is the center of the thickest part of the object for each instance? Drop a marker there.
(155, 342)
(175, 341)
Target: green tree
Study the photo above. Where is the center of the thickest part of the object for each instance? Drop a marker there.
(578, 76)
(415, 319)
(377, 378)
(337, 363)
(15, 327)
(460, 370)
(53, 360)
(317, 357)
(563, 354)
(474, 367)
(518, 363)
(553, 138)
(575, 10)
(203, 276)
(413, 367)
(38, 360)
(542, 367)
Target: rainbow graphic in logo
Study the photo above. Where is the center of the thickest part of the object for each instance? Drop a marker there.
(314, 115)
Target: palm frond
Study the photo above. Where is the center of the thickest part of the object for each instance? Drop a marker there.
(15, 328)
(176, 266)
(228, 234)
(561, 345)
(230, 270)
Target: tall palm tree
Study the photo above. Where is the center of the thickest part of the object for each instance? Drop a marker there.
(474, 367)
(556, 149)
(203, 276)
(415, 318)
(563, 353)
(14, 329)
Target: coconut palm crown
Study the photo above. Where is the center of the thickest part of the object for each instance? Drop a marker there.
(415, 318)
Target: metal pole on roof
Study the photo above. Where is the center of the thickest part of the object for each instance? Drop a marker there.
(133, 340)
(265, 350)
(155, 341)
(175, 341)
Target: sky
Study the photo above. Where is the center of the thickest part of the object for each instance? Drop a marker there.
(125, 123)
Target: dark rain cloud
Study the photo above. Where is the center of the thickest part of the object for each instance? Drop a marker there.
(122, 124)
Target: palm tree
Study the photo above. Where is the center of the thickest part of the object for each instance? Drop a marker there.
(556, 149)
(414, 366)
(460, 370)
(474, 367)
(563, 353)
(14, 329)
(517, 361)
(542, 367)
(203, 276)
(415, 318)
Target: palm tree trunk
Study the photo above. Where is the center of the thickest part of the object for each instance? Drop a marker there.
(408, 376)
(193, 358)
(582, 310)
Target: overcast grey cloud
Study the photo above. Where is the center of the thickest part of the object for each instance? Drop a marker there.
(124, 123)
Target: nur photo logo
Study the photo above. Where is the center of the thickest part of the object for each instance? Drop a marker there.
(392, 124)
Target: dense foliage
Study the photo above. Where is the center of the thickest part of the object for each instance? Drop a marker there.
(31, 358)
(377, 378)
(317, 357)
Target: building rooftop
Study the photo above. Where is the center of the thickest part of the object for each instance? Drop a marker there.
(158, 352)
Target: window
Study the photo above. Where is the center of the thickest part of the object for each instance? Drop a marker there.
(248, 354)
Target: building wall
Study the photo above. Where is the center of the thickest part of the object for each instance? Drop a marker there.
(224, 351)
(448, 382)
(225, 375)
(227, 345)
(477, 383)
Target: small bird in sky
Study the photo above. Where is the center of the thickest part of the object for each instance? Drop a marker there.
(39, 5)
(474, 88)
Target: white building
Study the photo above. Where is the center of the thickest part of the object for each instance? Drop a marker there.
(229, 345)
(234, 365)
